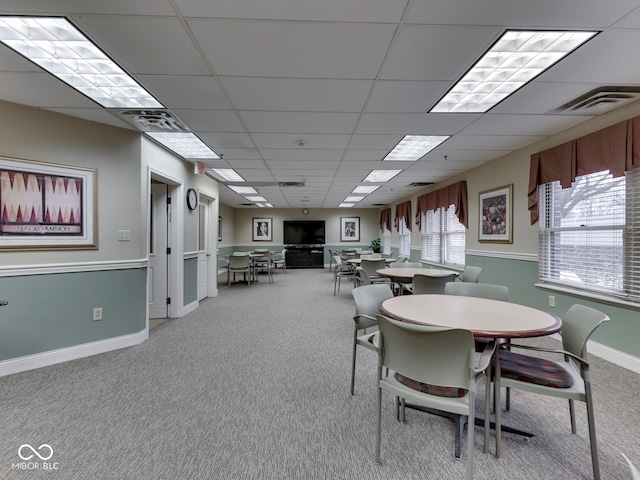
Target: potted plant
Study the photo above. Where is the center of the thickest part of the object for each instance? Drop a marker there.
(375, 245)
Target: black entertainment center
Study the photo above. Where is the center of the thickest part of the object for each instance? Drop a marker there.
(305, 256)
(304, 240)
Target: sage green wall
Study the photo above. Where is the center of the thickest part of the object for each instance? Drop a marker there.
(53, 311)
(190, 283)
(621, 333)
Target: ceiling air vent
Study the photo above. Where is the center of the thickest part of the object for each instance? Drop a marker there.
(600, 100)
(420, 184)
(291, 184)
(154, 121)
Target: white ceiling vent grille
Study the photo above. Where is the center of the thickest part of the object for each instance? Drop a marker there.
(154, 121)
(291, 184)
(600, 100)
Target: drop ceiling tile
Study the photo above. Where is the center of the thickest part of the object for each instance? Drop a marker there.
(493, 124)
(542, 13)
(491, 142)
(293, 49)
(378, 11)
(290, 94)
(414, 123)
(227, 140)
(299, 122)
(139, 7)
(374, 142)
(145, 45)
(435, 53)
(352, 155)
(211, 120)
(302, 154)
(282, 140)
(396, 96)
(186, 92)
(41, 90)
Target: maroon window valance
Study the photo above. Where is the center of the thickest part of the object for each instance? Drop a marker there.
(615, 148)
(455, 194)
(403, 210)
(385, 219)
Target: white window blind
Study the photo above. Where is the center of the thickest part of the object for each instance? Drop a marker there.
(589, 235)
(386, 240)
(405, 237)
(443, 237)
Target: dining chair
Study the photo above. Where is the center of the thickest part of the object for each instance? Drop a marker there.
(635, 473)
(371, 265)
(278, 260)
(481, 290)
(432, 367)
(342, 270)
(568, 378)
(263, 263)
(239, 264)
(422, 284)
(367, 298)
(470, 274)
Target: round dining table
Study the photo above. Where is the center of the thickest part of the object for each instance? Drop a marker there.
(358, 261)
(482, 316)
(401, 275)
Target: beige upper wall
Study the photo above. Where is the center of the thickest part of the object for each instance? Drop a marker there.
(45, 136)
(243, 222)
(513, 169)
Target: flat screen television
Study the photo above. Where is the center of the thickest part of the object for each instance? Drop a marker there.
(303, 232)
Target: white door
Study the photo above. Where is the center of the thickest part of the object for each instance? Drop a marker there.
(203, 249)
(158, 258)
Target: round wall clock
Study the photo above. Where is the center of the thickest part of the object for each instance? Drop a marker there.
(192, 199)
(305, 211)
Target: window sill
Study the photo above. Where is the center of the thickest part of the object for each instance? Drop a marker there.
(590, 296)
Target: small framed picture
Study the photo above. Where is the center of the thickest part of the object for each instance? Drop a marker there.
(349, 229)
(496, 215)
(262, 229)
(219, 228)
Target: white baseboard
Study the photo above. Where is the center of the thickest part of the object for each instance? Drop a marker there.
(609, 354)
(39, 360)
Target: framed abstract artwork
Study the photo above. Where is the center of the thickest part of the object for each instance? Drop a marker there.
(47, 206)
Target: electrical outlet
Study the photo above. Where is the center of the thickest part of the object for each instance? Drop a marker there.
(124, 235)
(552, 300)
(97, 313)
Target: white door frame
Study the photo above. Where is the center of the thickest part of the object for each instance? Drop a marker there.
(175, 241)
(212, 243)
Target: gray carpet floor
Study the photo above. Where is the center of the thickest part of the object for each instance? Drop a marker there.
(255, 385)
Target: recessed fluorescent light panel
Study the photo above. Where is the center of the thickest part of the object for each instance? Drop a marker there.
(256, 199)
(226, 174)
(414, 147)
(365, 189)
(346, 205)
(242, 190)
(515, 59)
(187, 145)
(61, 49)
(353, 198)
(381, 175)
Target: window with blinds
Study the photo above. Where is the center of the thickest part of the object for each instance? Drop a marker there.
(405, 237)
(386, 240)
(590, 235)
(443, 237)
